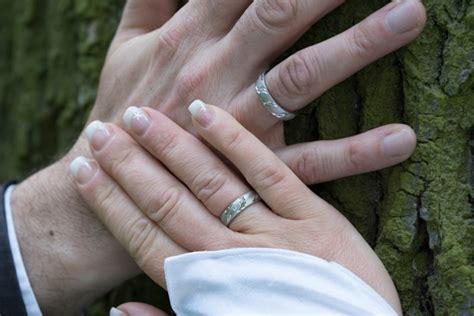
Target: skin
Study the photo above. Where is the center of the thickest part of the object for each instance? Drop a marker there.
(164, 60)
(140, 309)
(178, 200)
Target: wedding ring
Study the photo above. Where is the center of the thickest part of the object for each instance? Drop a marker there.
(268, 102)
(238, 206)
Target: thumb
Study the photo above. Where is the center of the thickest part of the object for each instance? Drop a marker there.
(143, 16)
(136, 309)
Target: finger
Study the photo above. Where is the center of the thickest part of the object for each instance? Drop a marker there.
(144, 241)
(213, 17)
(192, 162)
(162, 197)
(306, 75)
(269, 26)
(323, 161)
(282, 191)
(197, 21)
(136, 309)
(143, 16)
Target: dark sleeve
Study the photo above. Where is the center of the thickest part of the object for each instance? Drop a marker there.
(11, 299)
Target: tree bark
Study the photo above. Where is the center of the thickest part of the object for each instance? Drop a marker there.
(418, 216)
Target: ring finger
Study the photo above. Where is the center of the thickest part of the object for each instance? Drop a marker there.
(162, 197)
(307, 74)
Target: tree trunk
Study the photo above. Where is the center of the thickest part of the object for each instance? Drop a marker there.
(418, 216)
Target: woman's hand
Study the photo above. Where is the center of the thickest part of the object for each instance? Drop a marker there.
(158, 209)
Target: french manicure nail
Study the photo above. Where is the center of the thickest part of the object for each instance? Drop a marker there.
(82, 170)
(201, 113)
(116, 312)
(98, 134)
(403, 17)
(398, 144)
(136, 120)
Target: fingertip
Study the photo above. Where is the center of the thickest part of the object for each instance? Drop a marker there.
(116, 312)
(138, 309)
(412, 133)
(405, 16)
(422, 15)
(411, 138)
(128, 115)
(400, 143)
(202, 113)
(83, 169)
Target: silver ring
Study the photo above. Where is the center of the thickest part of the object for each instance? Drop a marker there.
(269, 102)
(238, 206)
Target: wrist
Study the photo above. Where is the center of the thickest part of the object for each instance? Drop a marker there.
(69, 256)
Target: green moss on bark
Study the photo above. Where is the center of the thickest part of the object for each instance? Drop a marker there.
(420, 212)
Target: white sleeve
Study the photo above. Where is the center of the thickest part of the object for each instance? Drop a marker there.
(255, 281)
(31, 305)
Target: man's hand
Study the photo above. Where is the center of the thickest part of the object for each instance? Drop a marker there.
(213, 50)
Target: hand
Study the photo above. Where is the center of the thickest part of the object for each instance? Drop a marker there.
(214, 50)
(176, 202)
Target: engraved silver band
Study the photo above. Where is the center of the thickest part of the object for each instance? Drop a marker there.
(238, 206)
(269, 103)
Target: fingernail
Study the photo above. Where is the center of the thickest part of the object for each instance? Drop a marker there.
(403, 17)
(116, 312)
(98, 134)
(201, 113)
(398, 144)
(82, 170)
(136, 120)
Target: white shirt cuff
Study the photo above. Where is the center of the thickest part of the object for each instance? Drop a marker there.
(31, 305)
(255, 281)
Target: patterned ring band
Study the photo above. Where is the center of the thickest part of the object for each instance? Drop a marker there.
(238, 206)
(269, 103)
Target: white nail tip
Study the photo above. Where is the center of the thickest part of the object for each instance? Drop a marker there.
(77, 164)
(93, 127)
(116, 312)
(129, 114)
(195, 106)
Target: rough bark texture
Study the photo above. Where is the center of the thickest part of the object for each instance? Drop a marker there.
(418, 216)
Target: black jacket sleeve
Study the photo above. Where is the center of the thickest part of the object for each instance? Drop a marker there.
(11, 300)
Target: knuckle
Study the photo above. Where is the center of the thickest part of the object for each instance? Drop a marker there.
(355, 158)
(276, 14)
(309, 166)
(141, 236)
(362, 42)
(297, 76)
(189, 81)
(107, 195)
(267, 175)
(165, 205)
(208, 184)
(165, 142)
(168, 41)
(233, 140)
(118, 164)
